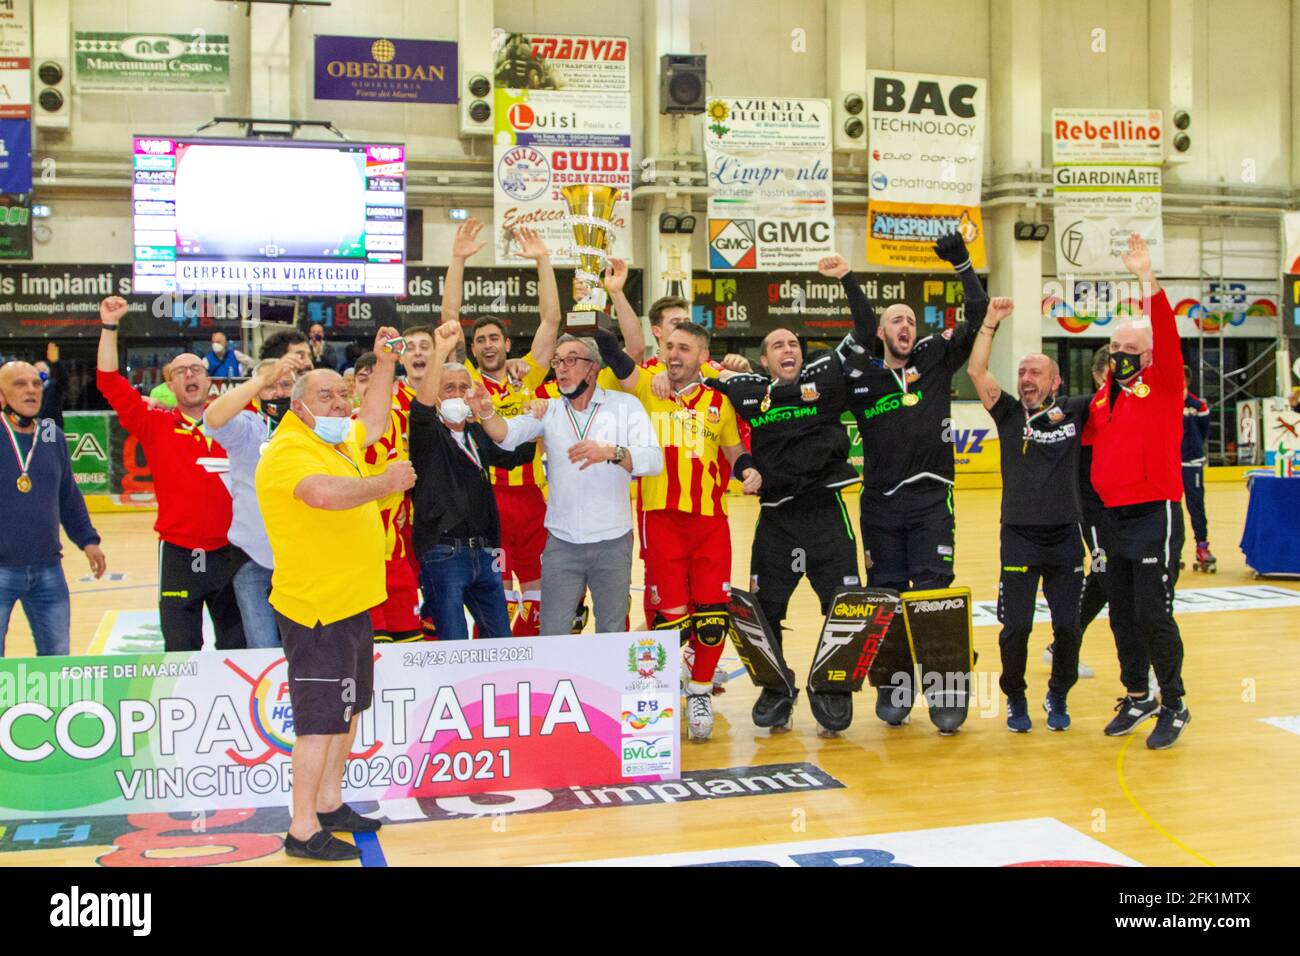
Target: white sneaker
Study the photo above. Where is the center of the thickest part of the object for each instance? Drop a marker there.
(699, 716)
(1085, 672)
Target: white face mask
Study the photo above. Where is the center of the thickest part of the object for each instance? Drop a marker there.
(454, 411)
(218, 347)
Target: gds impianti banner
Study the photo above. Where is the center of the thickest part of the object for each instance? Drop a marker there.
(563, 117)
(770, 189)
(1106, 176)
(196, 62)
(214, 730)
(924, 168)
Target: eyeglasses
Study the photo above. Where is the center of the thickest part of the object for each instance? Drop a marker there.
(568, 361)
(185, 371)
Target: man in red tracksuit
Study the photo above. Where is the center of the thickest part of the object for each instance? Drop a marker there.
(1136, 429)
(196, 562)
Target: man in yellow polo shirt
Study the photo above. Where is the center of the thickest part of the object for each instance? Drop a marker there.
(313, 487)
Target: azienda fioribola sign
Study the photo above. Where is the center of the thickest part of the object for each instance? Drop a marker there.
(169, 732)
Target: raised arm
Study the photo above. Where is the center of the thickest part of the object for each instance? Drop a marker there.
(445, 339)
(952, 249)
(112, 311)
(465, 244)
(532, 246)
(617, 360)
(629, 323)
(1166, 345)
(377, 404)
(836, 266)
(978, 369)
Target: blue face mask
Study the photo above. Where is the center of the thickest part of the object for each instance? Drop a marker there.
(45, 376)
(331, 431)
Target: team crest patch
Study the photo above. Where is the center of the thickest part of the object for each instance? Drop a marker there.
(714, 414)
(808, 391)
(1055, 415)
(654, 594)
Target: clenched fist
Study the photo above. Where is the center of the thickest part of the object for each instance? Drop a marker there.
(399, 476)
(113, 309)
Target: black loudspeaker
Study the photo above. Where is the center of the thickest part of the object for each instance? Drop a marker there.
(681, 84)
(414, 235)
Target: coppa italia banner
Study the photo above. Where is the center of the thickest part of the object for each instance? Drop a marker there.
(925, 167)
(1106, 176)
(184, 731)
(770, 187)
(814, 306)
(563, 117)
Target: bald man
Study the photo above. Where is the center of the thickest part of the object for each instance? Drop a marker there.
(1039, 435)
(37, 494)
(1135, 427)
(196, 563)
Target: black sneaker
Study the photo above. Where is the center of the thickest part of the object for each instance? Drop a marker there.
(322, 845)
(1129, 712)
(1169, 725)
(345, 818)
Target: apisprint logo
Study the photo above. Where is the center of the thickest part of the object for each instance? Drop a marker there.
(270, 713)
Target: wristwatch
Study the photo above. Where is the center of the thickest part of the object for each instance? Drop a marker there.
(619, 454)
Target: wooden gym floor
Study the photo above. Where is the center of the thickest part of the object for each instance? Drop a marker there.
(1225, 795)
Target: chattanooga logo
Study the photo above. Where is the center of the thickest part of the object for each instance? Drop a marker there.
(76, 909)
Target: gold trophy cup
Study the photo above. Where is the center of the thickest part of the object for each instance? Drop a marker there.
(590, 209)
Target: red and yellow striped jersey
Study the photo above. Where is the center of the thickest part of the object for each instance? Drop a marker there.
(509, 397)
(693, 429)
(395, 509)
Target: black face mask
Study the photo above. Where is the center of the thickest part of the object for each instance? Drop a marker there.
(21, 420)
(275, 408)
(576, 392)
(1124, 365)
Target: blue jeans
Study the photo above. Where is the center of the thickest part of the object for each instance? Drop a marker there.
(453, 578)
(252, 585)
(44, 593)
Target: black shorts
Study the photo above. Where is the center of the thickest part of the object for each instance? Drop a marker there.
(331, 672)
(908, 536)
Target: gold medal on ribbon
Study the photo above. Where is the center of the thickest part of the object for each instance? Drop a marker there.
(910, 399)
(1141, 389)
(24, 484)
(765, 404)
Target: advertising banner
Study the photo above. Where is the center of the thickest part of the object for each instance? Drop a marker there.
(16, 60)
(1248, 431)
(1106, 177)
(1090, 308)
(88, 445)
(382, 70)
(563, 117)
(1291, 297)
(213, 730)
(15, 225)
(1291, 254)
(1281, 429)
(15, 156)
(814, 306)
(925, 166)
(37, 301)
(197, 62)
(770, 189)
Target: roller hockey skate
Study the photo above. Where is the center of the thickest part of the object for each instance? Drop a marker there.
(1205, 561)
(699, 717)
(774, 709)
